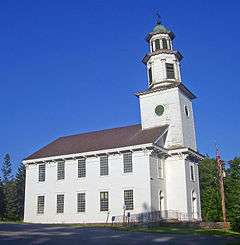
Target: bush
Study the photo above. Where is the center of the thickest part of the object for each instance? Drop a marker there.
(235, 224)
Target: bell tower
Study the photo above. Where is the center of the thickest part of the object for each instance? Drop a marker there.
(166, 101)
(162, 61)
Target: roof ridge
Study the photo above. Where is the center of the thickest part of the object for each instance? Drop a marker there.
(98, 131)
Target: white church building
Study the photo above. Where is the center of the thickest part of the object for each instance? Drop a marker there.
(131, 170)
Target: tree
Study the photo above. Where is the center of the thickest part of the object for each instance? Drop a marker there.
(20, 189)
(6, 169)
(2, 201)
(232, 189)
(10, 200)
(9, 189)
(209, 188)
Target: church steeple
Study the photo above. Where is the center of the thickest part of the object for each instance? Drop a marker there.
(162, 61)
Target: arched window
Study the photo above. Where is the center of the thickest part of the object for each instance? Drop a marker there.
(194, 205)
(157, 44)
(161, 201)
(164, 43)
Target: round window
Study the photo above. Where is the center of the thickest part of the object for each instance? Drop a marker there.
(159, 110)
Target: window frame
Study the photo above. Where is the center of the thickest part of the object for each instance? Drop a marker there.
(41, 172)
(40, 204)
(81, 202)
(157, 44)
(170, 71)
(160, 168)
(128, 199)
(61, 170)
(82, 169)
(104, 201)
(60, 204)
(127, 166)
(164, 43)
(150, 75)
(104, 166)
(192, 172)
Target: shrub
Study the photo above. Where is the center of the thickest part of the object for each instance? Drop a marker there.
(235, 224)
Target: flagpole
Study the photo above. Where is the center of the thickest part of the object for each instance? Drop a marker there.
(221, 186)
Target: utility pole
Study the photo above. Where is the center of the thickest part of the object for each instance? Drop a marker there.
(221, 186)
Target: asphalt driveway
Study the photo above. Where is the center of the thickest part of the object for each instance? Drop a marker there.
(24, 234)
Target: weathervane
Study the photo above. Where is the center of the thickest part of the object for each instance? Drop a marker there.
(158, 17)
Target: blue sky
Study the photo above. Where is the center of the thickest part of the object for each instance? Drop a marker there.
(68, 67)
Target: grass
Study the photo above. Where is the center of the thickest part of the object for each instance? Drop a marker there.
(182, 230)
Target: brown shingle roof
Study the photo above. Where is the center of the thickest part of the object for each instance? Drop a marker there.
(99, 140)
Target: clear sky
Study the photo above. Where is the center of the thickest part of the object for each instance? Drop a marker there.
(68, 67)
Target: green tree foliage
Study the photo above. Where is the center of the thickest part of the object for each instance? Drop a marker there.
(232, 191)
(2, 201)
(9, 190)
(210, 196)
(10, 200)
(20, 191)
(6, 169)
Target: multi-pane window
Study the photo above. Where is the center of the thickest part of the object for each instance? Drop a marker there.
(128, 199)
(40, 204)
(81, 168)
(60, 203)
(104, 201)
(170, 71)
(157, 44)
(192, 172)
(41, 172)
(164, 43)
(60, 170)
(81, 202)
(160, 168)
(150, 75)
(127, 162)
(104, 165)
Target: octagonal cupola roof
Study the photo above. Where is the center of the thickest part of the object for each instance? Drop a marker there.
(158, 29)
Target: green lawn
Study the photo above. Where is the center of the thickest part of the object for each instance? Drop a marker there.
(182, 230)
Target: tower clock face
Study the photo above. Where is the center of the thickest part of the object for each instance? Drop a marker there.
(159, 110)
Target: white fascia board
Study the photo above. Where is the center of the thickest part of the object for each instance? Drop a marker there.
(186, 150)
(90, 153)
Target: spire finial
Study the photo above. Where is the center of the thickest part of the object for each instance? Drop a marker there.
(158, 18)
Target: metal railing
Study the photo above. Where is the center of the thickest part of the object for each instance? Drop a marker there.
(154, 216)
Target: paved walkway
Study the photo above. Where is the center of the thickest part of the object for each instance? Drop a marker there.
(24, 234)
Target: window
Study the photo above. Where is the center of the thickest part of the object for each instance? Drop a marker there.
(128, 199)
(41, 172)
(103, 165)
(192, 172)
(127, 162)
(157, 44)
(60, 170)
(150, 75)
(81, 202)
(164, 43)
(194, 205)
(82, 168)
(152, 46)
(161, 201)
(104, 201)
(186, 111)
(160, 168)
(40, 204)
(60, 203)
(170, 71)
